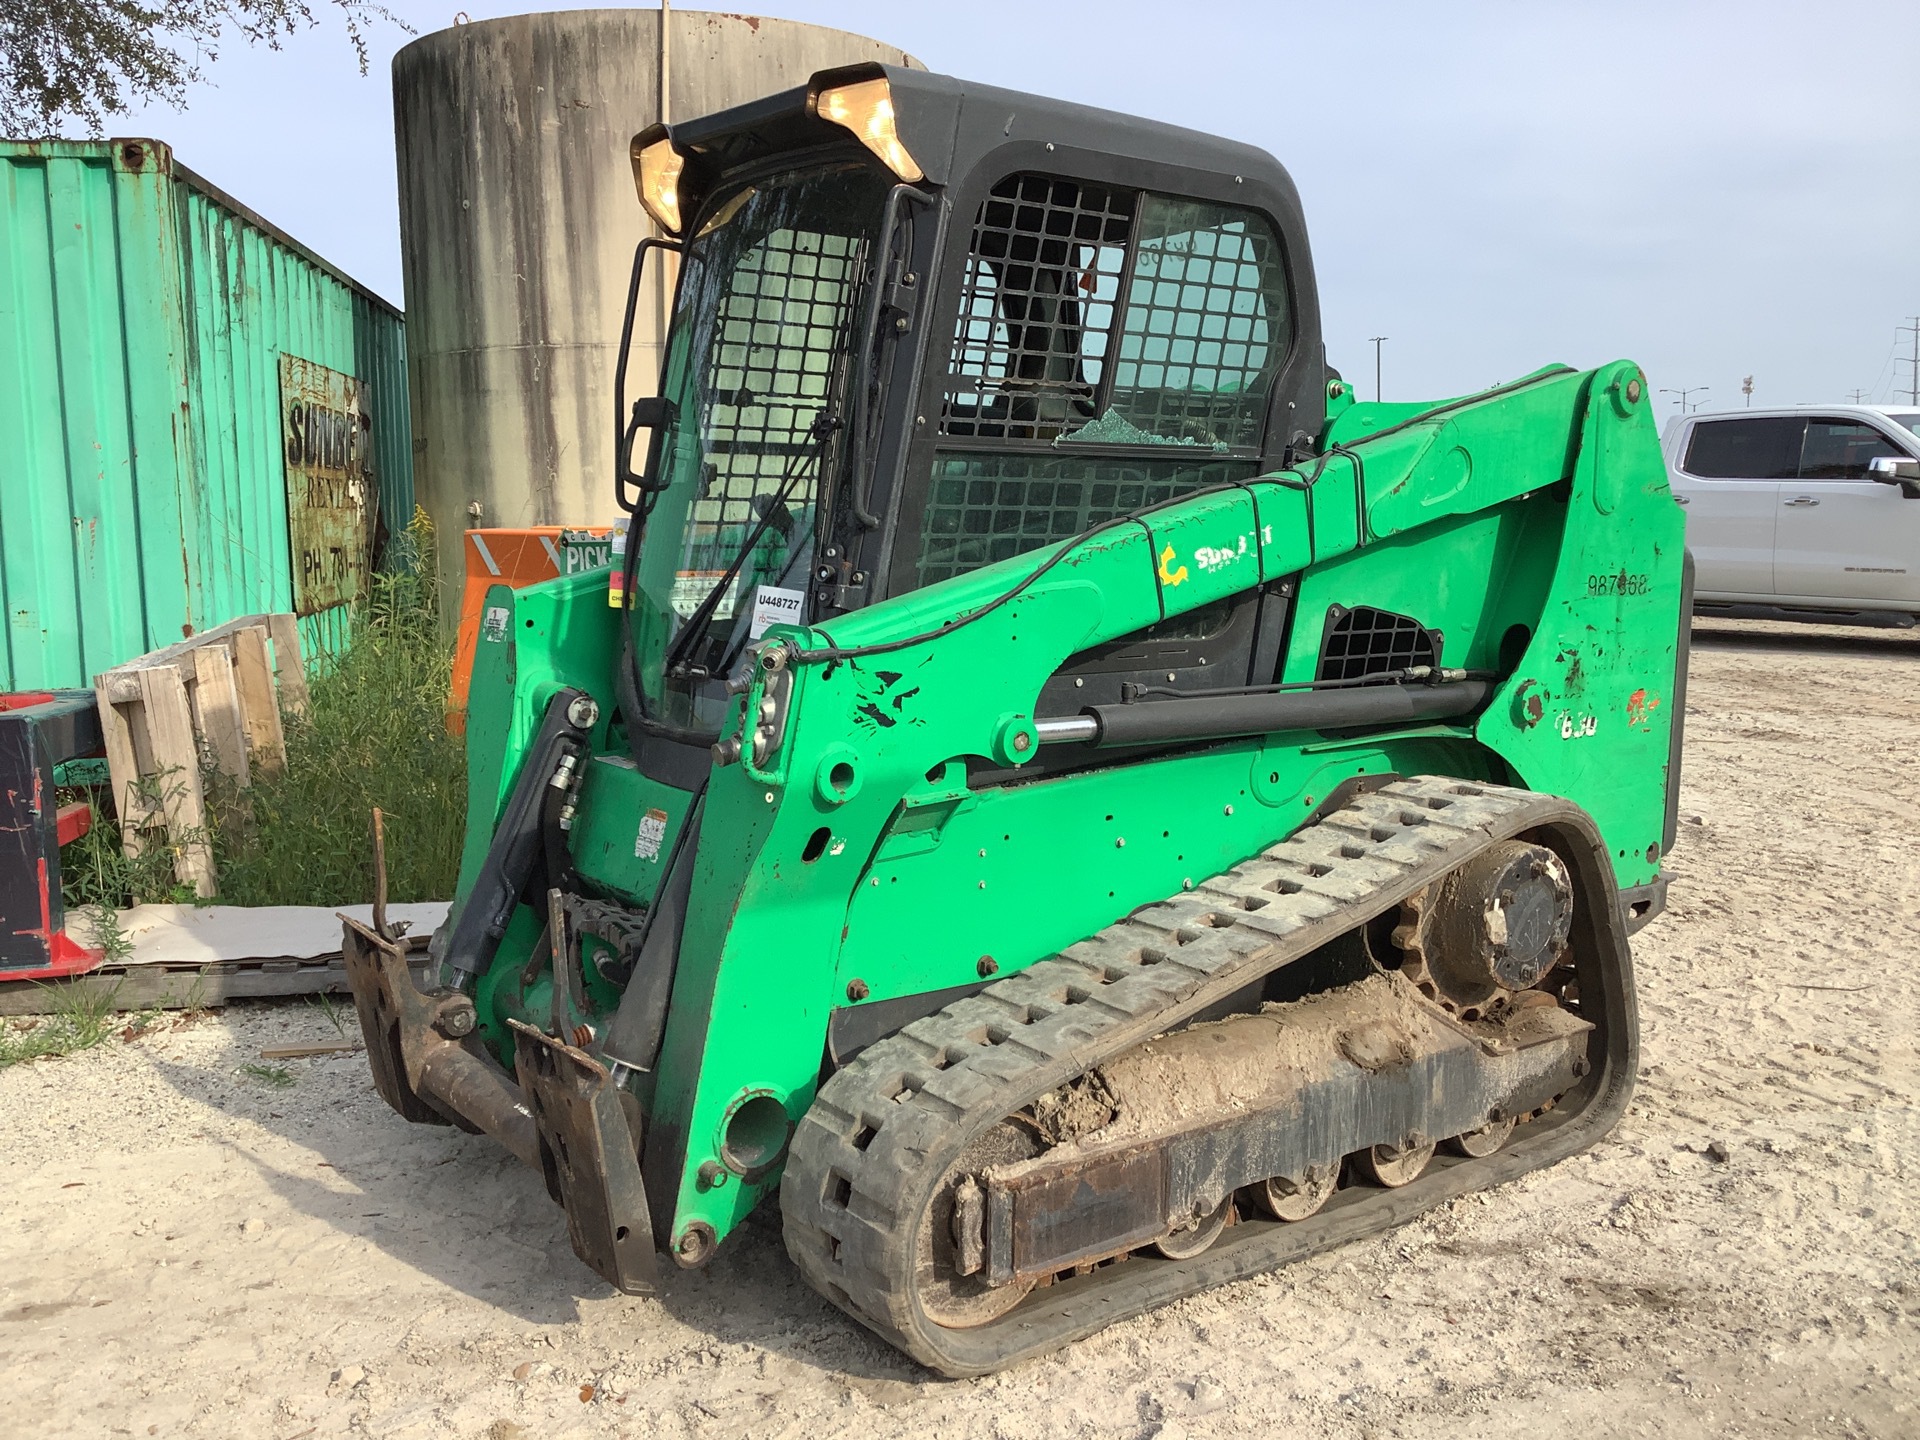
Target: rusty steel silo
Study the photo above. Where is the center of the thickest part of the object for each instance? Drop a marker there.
(518, 222)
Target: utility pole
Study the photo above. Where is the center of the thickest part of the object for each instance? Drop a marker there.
(1379, 340)
(1685, 408)
(1913, 394)
(1858, 397)
(1746, 389)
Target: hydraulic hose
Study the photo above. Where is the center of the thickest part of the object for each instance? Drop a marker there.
(467, 945)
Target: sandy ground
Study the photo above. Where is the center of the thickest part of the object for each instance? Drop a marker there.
(186, 1250)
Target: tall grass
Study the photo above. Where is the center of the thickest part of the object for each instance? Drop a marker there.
(98, 877)
(376, 735)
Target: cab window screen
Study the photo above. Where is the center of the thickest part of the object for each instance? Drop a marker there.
(987, 507)
(1206, 325)
(1761, 449)
(1043, 272)
(779, 283)
(1102, 333)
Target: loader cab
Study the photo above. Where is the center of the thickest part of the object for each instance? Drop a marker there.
(922, 326)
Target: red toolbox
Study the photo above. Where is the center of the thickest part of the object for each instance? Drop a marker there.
(40, 729)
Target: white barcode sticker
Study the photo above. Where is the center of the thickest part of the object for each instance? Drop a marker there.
(774, 606)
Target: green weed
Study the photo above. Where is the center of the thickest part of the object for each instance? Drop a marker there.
(276, 1076)
(336, 1014)
(97, 874)
(78, 1018)
(99, 927)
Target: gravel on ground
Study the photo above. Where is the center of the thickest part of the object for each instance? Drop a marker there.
(192, 1248)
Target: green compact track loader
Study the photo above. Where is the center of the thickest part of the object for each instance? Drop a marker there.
(1055, 793)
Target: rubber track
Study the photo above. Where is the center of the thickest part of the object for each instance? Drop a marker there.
(869, 1154)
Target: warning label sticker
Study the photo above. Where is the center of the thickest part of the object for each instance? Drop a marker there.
(493, 625)
(653, 829)
(690, 587)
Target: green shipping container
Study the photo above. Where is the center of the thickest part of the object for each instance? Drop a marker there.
(199, 417)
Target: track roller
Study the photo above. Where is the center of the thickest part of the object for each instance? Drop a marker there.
(1296, 1198)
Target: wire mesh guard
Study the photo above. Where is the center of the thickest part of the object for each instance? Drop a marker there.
(1364, 641)
(1036, 307)
(778, 332)
(1204, 326)
(1096, 316)
(984, 508)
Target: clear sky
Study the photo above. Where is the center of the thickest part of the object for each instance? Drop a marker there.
(1714, 189)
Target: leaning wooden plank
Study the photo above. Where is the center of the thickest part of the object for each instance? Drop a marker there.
(176, 777)
(123, 768)
(290, 664)
(217, 709)
(258, 703)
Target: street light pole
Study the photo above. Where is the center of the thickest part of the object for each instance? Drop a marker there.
(1685, 408)
(1378, 340)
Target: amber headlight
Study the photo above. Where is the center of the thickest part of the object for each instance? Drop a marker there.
(656, 171)
(866, 108)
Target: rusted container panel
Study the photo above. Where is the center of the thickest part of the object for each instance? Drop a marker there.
(144, 317)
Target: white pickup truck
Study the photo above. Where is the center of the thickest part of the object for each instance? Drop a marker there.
(1808, 513)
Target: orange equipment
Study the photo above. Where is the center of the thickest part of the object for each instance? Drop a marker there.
(515, 558)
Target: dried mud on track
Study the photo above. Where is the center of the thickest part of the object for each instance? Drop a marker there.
(186, 1250)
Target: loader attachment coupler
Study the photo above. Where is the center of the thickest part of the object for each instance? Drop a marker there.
(419, 1045)
(589, 1152)
(563, 1118)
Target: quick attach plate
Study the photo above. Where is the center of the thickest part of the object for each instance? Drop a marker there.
(590, 1155)
(425, 1060)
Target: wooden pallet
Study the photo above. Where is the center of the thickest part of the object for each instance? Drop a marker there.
(195, 987)
(211, 702)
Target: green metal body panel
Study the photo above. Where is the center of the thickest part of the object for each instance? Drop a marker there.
(560, 632)
(1533, 527)
(142, 317)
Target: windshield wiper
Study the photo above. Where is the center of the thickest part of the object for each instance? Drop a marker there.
(694, 629)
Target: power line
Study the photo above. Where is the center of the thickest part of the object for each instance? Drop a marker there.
(1913, 393)
(1888, 365)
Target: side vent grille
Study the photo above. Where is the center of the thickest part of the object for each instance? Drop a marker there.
(1364, 641)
